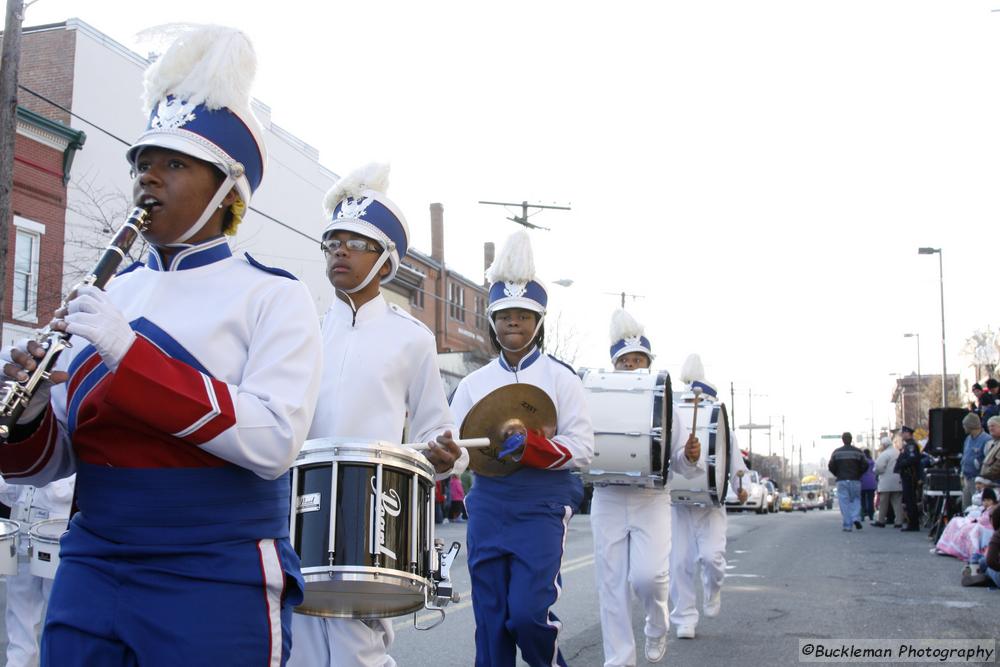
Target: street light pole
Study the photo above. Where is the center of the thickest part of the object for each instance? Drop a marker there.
(920, 378)
(944, 362)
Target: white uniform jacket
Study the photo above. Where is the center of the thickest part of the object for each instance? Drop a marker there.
(380, 375)
(225, 365)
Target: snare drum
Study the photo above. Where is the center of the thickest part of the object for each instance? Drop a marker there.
(710, 485)
(631, 412)
(362, 523)
(43, 547)
(8, 546)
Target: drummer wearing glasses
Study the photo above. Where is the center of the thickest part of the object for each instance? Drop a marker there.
(631, 527)
(380, 376)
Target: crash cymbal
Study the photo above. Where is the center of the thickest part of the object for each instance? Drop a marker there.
(496, 415)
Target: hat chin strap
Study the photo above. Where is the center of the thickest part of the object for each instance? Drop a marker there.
(379, 263)
(493, 325)
(227, 184)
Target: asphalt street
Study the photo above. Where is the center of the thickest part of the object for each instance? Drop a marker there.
(790, 576)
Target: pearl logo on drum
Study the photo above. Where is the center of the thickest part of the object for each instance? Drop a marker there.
(388, 503)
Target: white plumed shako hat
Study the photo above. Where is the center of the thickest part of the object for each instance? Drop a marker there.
(628, 335)
(358, 203)
(197, 95)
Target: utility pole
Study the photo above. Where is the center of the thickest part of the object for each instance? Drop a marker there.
(523, 218)
(624, 294)
(9, 62)
(783, 447)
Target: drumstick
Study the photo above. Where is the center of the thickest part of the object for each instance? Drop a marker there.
(694, 418)
(468, 443)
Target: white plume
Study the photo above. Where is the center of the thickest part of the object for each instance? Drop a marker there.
(623, 325)
(515, 263)
(692, 369)
(204, 63)
(372, 176)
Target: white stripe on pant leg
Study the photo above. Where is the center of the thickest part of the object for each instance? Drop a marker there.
(567, 514)
(274, 584)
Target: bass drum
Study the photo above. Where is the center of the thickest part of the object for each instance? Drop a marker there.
(708, 487)
(362, 523)
(631, 412)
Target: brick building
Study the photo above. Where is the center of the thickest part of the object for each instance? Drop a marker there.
(44, 149)
(450, 304)
(914, 395)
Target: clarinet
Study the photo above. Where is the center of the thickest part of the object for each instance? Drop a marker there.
(16, 395)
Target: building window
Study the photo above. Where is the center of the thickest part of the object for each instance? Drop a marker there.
(417, 297)
(26, 247)
(480, 312)
(456, 301)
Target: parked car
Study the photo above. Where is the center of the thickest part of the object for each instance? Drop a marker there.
(771, 496)
(785, 505)
(756, 494)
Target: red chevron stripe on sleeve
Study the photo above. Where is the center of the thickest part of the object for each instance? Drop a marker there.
(540, 452)
(28, 457)
(170, 395)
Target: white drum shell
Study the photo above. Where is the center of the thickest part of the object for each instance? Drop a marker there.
(8, 546)
(622, 407)
(43, 547)
(702, 490)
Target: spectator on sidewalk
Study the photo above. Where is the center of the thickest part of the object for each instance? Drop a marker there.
(869, 484)
(908, 466)
(991, 452)
(457, 513)
(848, 464)
(972, 455)
(890, 487)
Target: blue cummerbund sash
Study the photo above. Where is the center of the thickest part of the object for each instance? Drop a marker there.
(180, 505)
(529, 485)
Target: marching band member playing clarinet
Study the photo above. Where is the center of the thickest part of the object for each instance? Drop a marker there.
(699, 533)
(632, 529)
(518, 523)
(191, 386)
(380, 367)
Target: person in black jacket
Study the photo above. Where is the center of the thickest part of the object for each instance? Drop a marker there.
(847, 464)
(909, 469)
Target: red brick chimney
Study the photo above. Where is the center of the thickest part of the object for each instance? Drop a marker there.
(489, 251)
(437, 232)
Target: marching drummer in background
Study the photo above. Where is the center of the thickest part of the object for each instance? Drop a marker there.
(26, 593)
(380, 366)
(518, 523)
(631, 526)
(192, 384)
(699, 533)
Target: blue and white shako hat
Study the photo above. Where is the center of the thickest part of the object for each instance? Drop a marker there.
(197, 94)
(693, 375)
(512, 278)
(358, 203)
(627, 335)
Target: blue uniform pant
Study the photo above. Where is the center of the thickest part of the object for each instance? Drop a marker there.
(516, 544)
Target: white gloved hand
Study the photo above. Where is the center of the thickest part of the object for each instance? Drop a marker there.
(92, 316)
(40, 399)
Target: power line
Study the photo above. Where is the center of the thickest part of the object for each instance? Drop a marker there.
(55, 104)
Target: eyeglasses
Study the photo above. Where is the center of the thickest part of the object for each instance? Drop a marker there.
(330, 246)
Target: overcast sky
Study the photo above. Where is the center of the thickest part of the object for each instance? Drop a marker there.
(762, 173)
